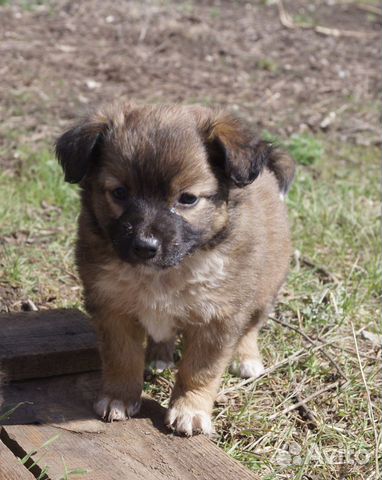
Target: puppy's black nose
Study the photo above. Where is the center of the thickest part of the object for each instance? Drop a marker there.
(145, 247)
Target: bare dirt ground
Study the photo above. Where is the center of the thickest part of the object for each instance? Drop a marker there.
(290, 68)
(59, 57)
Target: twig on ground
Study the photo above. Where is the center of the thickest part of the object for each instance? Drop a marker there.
(144, 29)
(302, 402)
(294, 357)
(352, 352)
(268, 371)
(305, 412)
(322, 271)
(335, 32)
(370, 9)
(370, 404)
(287, 21)
(313, 342)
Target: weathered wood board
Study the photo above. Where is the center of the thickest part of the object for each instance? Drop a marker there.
(46, 343)
(10, 466)
(58, 411)
(140, 448)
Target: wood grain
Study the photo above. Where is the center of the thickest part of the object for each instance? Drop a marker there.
(46, 343)
(49, 351)
(140, 448)
(10, 466)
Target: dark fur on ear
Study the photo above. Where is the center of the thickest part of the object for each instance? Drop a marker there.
(232, 147)
(242, 163)
(77, 148)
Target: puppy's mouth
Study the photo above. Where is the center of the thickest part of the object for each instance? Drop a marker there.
(158, 261)
(154, 264)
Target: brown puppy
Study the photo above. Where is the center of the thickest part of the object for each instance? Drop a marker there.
(182, 230)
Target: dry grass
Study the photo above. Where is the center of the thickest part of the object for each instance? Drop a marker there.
(334, 284)
(290, 80)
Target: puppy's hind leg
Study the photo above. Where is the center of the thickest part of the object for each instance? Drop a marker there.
(160, 355)
(247, 361)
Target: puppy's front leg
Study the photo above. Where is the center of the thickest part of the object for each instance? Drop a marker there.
(122, 352)
(207, 353)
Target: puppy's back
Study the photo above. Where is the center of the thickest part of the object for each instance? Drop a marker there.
(260, 240)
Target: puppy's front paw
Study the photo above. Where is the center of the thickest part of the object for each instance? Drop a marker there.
(110, 409)
(248, 368)
(188, 421)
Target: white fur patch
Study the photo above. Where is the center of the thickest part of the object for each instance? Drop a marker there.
(162, 298)
(248, 369)
(114, 410)
(187, 421)
(161, 365)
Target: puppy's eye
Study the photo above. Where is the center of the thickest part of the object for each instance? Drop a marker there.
(188, 199)
(120, 193)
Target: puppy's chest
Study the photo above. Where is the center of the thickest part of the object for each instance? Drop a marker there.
(165, 301)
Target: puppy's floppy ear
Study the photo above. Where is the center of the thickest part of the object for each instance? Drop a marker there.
(77, 148)
(232, 147)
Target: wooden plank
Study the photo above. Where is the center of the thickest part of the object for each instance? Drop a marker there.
(46, 343)
(140, 448)
(10, 466)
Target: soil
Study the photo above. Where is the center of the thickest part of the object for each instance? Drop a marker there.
(61, 57)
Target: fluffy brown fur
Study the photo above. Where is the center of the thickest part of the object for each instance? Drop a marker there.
(182, 230)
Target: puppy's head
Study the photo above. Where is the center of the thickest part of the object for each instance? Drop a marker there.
(157, 180)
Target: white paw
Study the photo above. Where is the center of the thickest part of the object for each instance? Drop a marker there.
(161, 365)
(248, 368)
(188, 421)
(112, 409)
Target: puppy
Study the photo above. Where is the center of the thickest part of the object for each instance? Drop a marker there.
(181, 230)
